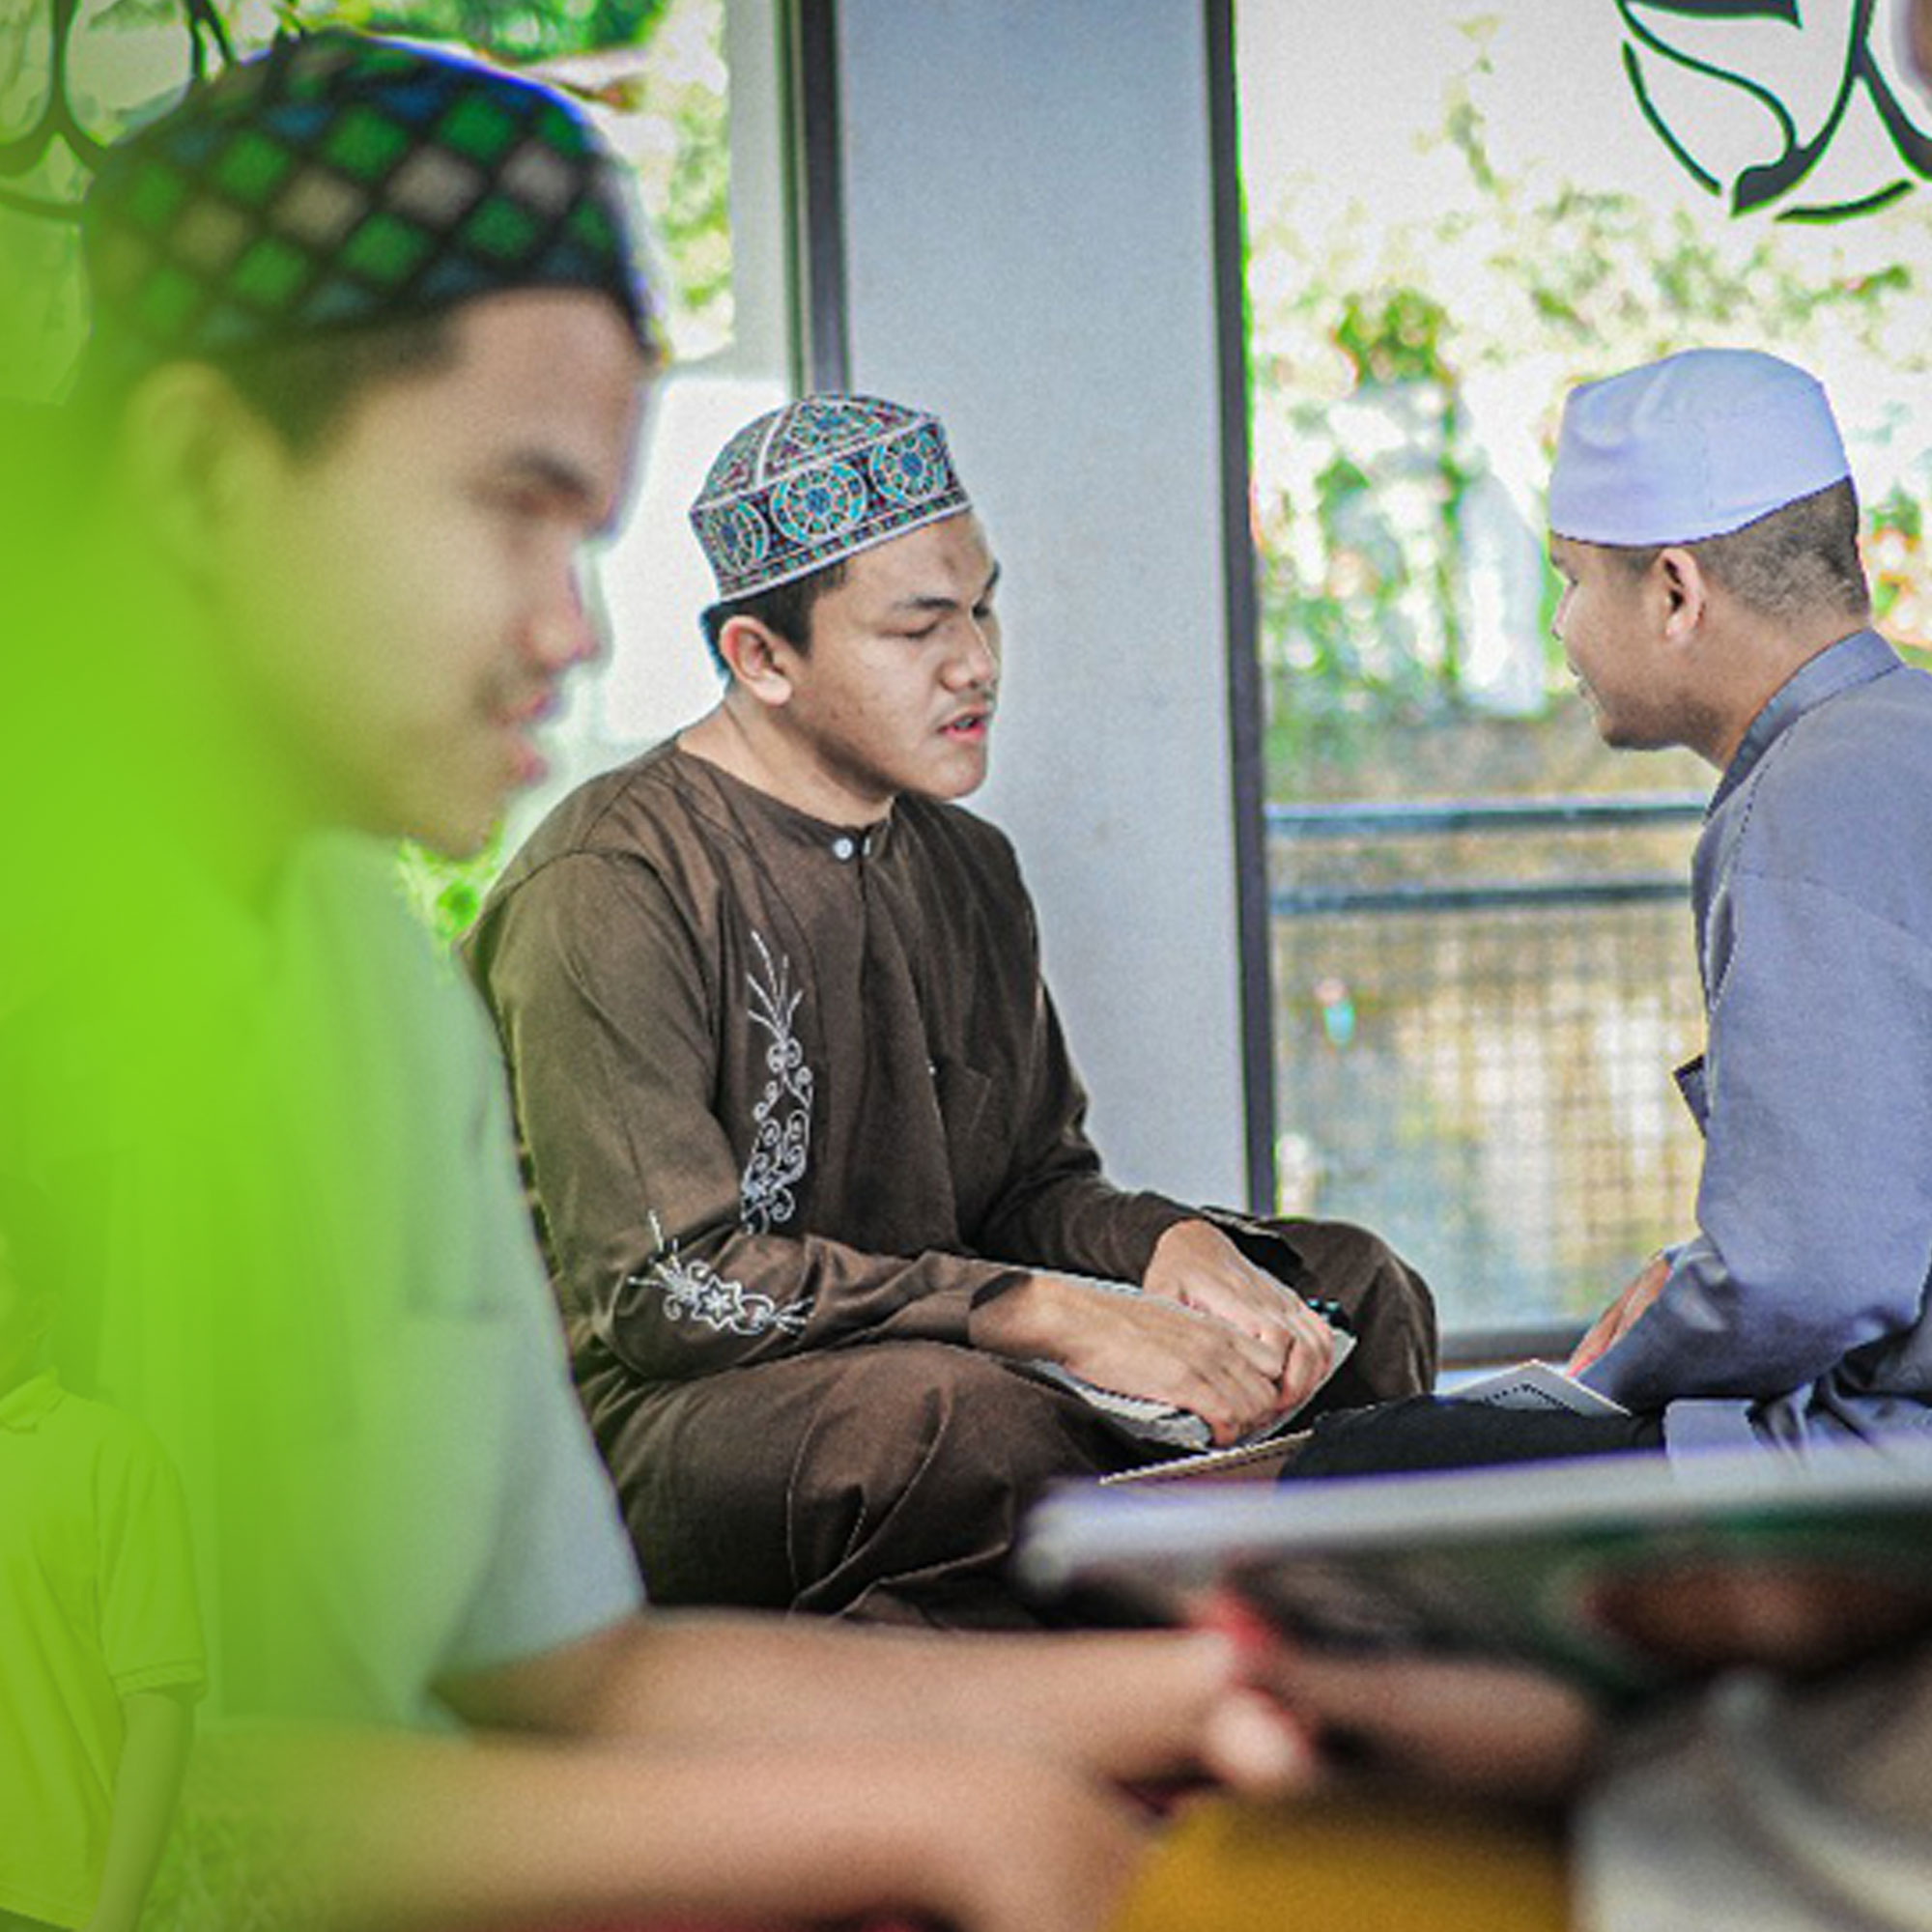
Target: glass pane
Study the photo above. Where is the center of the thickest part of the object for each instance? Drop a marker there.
(1455, 213)
(652, 74)
(687, 95)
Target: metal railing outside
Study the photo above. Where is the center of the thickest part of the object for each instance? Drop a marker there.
(1478, 1004)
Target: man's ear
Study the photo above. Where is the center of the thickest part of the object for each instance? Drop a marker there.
(192, 453)
(759, 659)
(1684, 592)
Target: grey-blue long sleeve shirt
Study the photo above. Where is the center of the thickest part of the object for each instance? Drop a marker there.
(1799, 1310)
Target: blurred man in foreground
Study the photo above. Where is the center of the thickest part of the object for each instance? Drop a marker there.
(363, 384)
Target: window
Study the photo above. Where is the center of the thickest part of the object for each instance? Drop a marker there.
(1482, 963)
(687, 90)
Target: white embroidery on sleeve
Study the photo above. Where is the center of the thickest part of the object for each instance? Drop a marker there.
(781, 1119)
(696, 1291)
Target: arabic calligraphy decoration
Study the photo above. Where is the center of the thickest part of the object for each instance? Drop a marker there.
(1798, 109)
(57, 101)
(75, 76)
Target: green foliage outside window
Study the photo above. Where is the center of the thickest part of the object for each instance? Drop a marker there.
(653, 73)
(1368, 342)
(512, 33)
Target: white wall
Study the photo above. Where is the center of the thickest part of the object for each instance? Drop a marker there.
(1027, 232)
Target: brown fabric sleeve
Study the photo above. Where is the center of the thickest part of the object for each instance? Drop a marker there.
(608, 1017)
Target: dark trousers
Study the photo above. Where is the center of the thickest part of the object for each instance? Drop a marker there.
(1426, 1432)
(887, 1481)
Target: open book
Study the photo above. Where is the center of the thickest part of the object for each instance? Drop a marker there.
(1604, 1569)
(1530, 1384)
(1179, 1427)
(1535, 1384)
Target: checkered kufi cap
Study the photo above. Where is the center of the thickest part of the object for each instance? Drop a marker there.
(818, 480)
(341, 181)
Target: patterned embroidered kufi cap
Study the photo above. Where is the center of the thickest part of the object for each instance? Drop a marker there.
(341, 181)
(817, 480)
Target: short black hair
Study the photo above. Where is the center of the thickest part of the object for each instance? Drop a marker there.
(1791, 563)
(303, 389)
(786, 609)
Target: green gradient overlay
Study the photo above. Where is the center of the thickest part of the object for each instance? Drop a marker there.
(216, 1037)
(174, 1070)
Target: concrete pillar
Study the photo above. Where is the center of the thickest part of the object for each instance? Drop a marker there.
(1028, 231)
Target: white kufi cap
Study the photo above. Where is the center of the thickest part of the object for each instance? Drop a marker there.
(1694, 446)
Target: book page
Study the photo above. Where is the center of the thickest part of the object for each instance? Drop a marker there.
(1535, 1384)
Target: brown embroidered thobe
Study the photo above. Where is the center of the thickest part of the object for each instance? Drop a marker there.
(794, 1097)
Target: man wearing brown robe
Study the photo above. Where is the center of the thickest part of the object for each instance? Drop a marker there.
(804, 1129)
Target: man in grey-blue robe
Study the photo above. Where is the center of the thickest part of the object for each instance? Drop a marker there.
(1704, 520)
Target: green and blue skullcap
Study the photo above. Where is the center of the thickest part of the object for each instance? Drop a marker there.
(817, 481)
(343, 182)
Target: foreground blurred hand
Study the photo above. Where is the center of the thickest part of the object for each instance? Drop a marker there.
(977, 1780)
(1493, 1729)
(1486, 1728)
(374, 1830)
